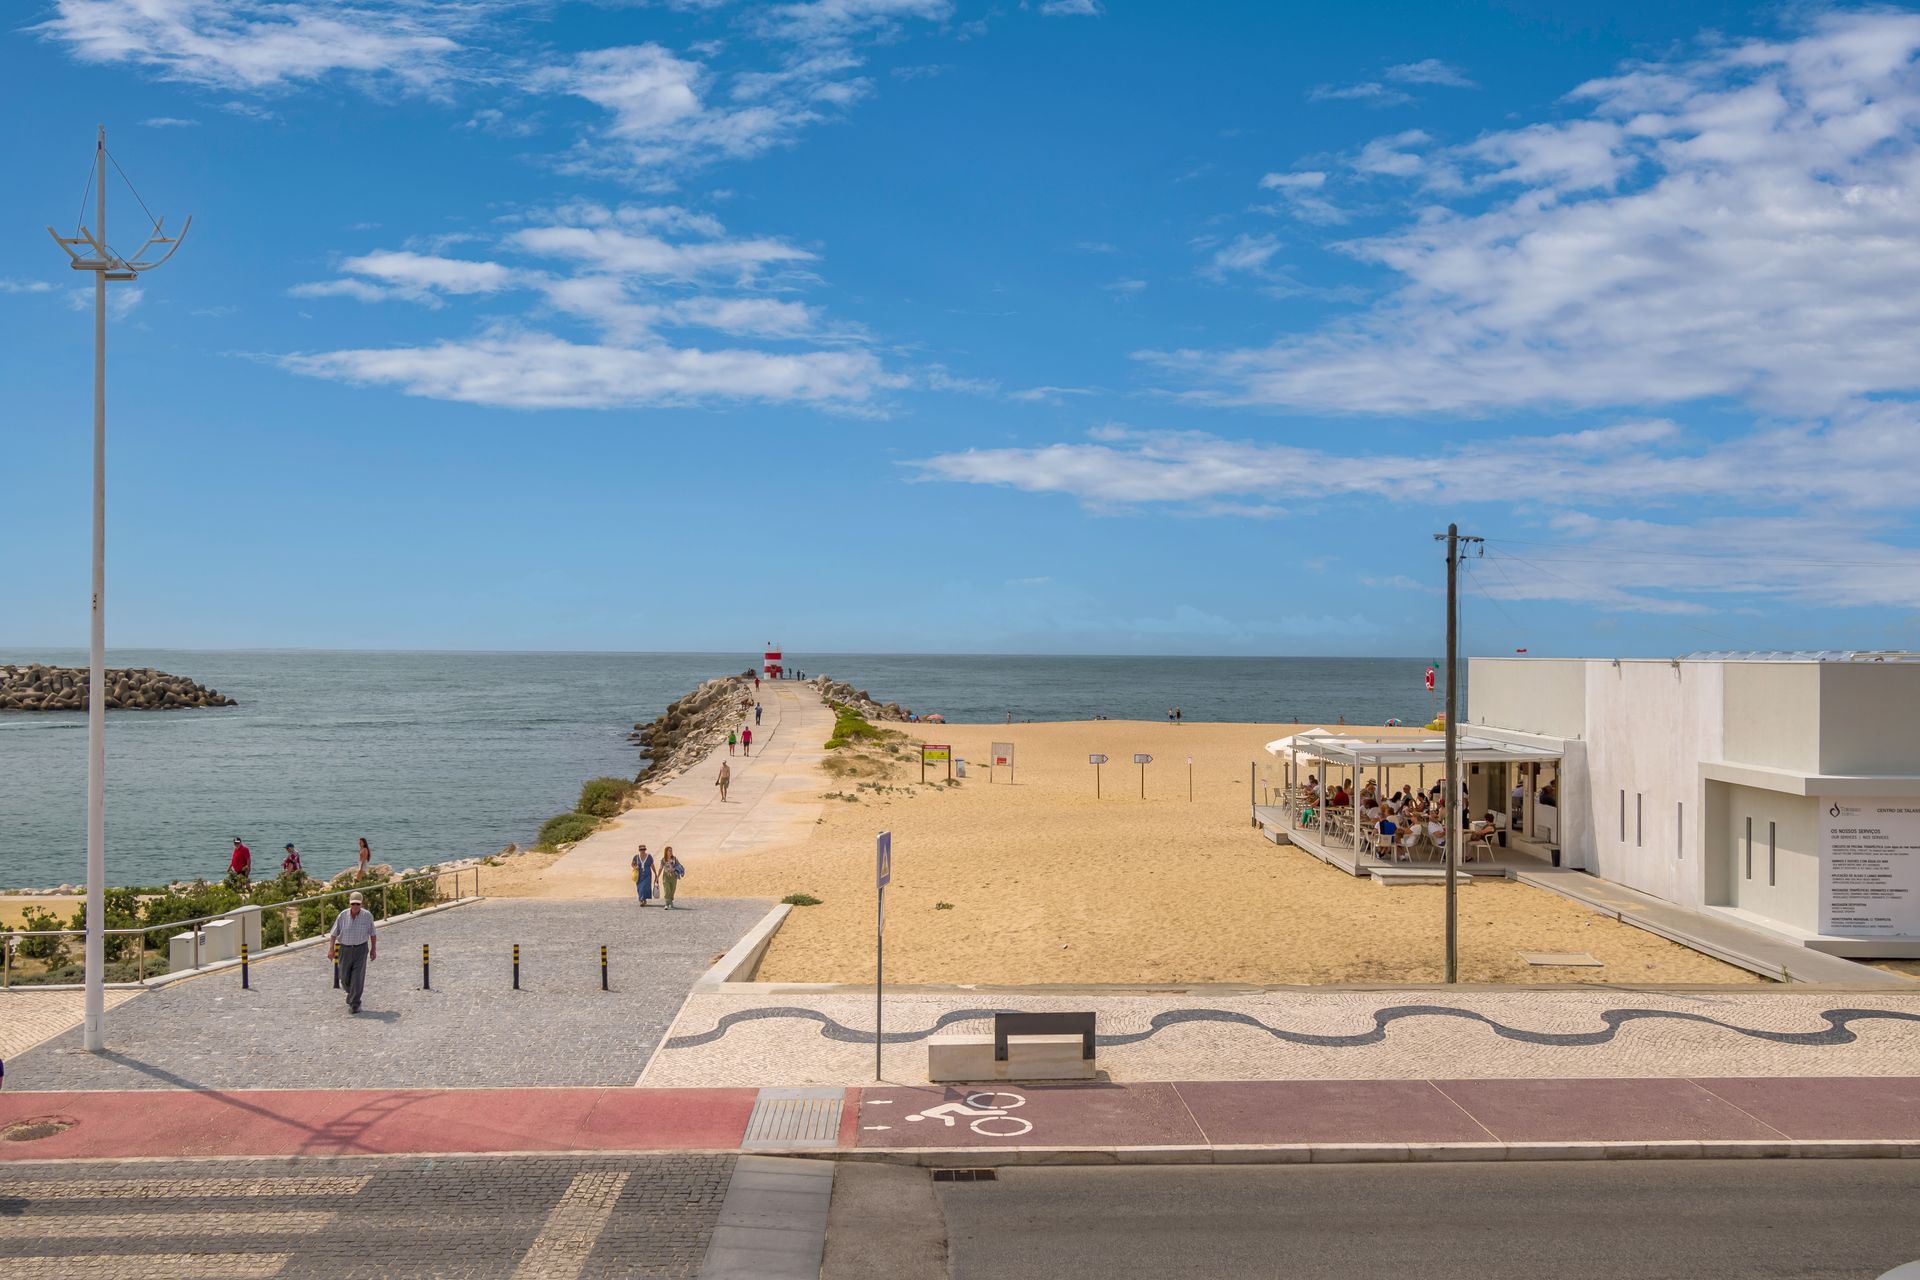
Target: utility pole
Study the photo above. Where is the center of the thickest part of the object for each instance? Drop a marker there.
(1455, 809)
(106, 265)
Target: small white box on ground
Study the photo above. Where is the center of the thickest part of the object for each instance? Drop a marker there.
(219, 940)
(248, 918)
(970, 1058)
(180, 955)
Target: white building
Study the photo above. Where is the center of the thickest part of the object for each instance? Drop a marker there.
(1782, 789)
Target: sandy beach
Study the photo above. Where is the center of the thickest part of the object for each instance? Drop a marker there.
(1048, 884)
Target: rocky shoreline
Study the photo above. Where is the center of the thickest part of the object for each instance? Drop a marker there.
(692, 726)
(841, 692)
(38, 687)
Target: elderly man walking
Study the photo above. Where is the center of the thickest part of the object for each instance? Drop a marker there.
(354, 946)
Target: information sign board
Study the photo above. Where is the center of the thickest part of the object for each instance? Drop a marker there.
(1870, 867)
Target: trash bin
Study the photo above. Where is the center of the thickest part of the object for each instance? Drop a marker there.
(959, 767)
(1555, 851)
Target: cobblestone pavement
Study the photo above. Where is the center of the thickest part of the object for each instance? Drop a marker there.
(792, 1038)
(29, 1017)
(553, 1217)
(292, 1031)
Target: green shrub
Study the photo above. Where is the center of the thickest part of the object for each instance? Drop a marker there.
(196, 900)
(848, 727)
(123, 912)
(603, 797)
(943, 906)
(52, 950)
(565, 828)
(801, 900)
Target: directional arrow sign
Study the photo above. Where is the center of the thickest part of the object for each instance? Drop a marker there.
(1096, 759)
(1143, 759)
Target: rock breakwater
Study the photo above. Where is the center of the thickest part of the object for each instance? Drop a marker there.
(692, 726)
(841, 692)
(37, 687)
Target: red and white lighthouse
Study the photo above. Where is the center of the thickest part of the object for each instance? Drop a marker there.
(770, 667)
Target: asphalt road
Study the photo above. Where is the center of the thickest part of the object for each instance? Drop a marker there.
(1805, 1219)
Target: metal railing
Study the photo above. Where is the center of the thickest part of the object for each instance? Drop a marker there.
(387, 892)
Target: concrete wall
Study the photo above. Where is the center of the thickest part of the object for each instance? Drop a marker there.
(1782, 884)
(1772, 714)
(1649, 725)
(1533, 695)
(1869, 718)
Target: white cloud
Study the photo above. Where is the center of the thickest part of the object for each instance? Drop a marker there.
(168, 122)
(1371, 92)
(537, 371)
(1301, 195)
(1070, 8)
(1041, 581)
(24, 286)
(613, 249)
(1430, 71)
(818, 22)
(122, 299)
(1745, 224)
(250, 44)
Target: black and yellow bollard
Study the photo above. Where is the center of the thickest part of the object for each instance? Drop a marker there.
(245, 983)
(426, 969)
(516, 966)
(603, 966)
(336, 968)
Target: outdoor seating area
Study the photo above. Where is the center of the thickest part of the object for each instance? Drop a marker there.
(1368, 803)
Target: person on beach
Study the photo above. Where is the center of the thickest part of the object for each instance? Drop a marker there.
(746, 741)
(366, 857)
(290, 865)
(670, 873)
(1179, 714)
(241, 864)
(643, 874)
(352, 943)
(733, 740)
(756, 713)
(722, 782)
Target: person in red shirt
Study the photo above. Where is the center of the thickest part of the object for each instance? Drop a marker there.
(242, 863)
(746, 742)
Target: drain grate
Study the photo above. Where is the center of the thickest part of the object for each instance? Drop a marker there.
(784, 1118)
(34, 1128)
(966, 1175)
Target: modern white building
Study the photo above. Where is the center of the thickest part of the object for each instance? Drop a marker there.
(1781, 789)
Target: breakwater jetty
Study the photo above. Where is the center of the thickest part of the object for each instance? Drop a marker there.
(37, 687)
(692, 726)
(839, 691)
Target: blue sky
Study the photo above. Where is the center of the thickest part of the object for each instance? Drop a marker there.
(945, 326)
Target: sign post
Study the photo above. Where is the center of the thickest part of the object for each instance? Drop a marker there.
(1143, 761)
(882, 876)
(1189, 779)
(936, 752)
(1002, 754)
(1096, 761)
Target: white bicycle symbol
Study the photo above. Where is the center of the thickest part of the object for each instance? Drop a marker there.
(983, 1110)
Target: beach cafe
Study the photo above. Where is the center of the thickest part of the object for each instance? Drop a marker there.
(1510, 798)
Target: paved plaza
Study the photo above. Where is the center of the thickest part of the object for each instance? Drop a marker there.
(806, 1038)
(467, 1217)
(291, 1030)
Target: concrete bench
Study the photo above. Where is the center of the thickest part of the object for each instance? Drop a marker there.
(1023, 1046)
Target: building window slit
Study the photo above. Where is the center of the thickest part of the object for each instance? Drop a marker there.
(1749, 848)
(1680, 830)
(1639, 810)
(1772, 850)
(1623, 816)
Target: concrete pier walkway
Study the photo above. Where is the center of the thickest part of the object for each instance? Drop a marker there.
(771, 800)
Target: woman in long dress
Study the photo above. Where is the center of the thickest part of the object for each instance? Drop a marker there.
(366, 857)
(643, 874)
(670, 873)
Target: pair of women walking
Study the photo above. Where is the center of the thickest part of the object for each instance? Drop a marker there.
(669, 870)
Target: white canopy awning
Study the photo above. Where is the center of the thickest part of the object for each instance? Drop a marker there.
(1381, 752)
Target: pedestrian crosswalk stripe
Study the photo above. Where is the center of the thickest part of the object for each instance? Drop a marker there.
(561, 1250)
(185, 1188)
(136, 1266)
(65, 1225)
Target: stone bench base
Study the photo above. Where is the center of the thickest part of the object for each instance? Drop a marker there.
(970, 1059)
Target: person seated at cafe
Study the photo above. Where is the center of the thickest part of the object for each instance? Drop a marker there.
(1546, 796)
(1387, 829)
(1341, 799)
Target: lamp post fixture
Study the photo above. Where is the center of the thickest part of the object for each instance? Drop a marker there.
(106, 265)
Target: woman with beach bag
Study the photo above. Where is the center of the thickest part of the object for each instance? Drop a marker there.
(643, 874)
(670, 873)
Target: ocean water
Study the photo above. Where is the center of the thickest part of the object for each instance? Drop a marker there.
(433, 756)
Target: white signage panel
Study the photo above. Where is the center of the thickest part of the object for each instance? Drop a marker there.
(1870, 867)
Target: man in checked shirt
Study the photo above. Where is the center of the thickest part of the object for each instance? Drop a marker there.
(353, 945)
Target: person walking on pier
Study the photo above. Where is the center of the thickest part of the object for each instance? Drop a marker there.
(725, 778)
(756, 713)
(733, 740)
(643, 874)
(746, 741)
(353, 944)
(670, 873)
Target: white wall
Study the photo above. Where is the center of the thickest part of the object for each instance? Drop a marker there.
(1546, 696)
(1649, 725)
(1772, 714)
(1785, 886)
(1869, 718)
